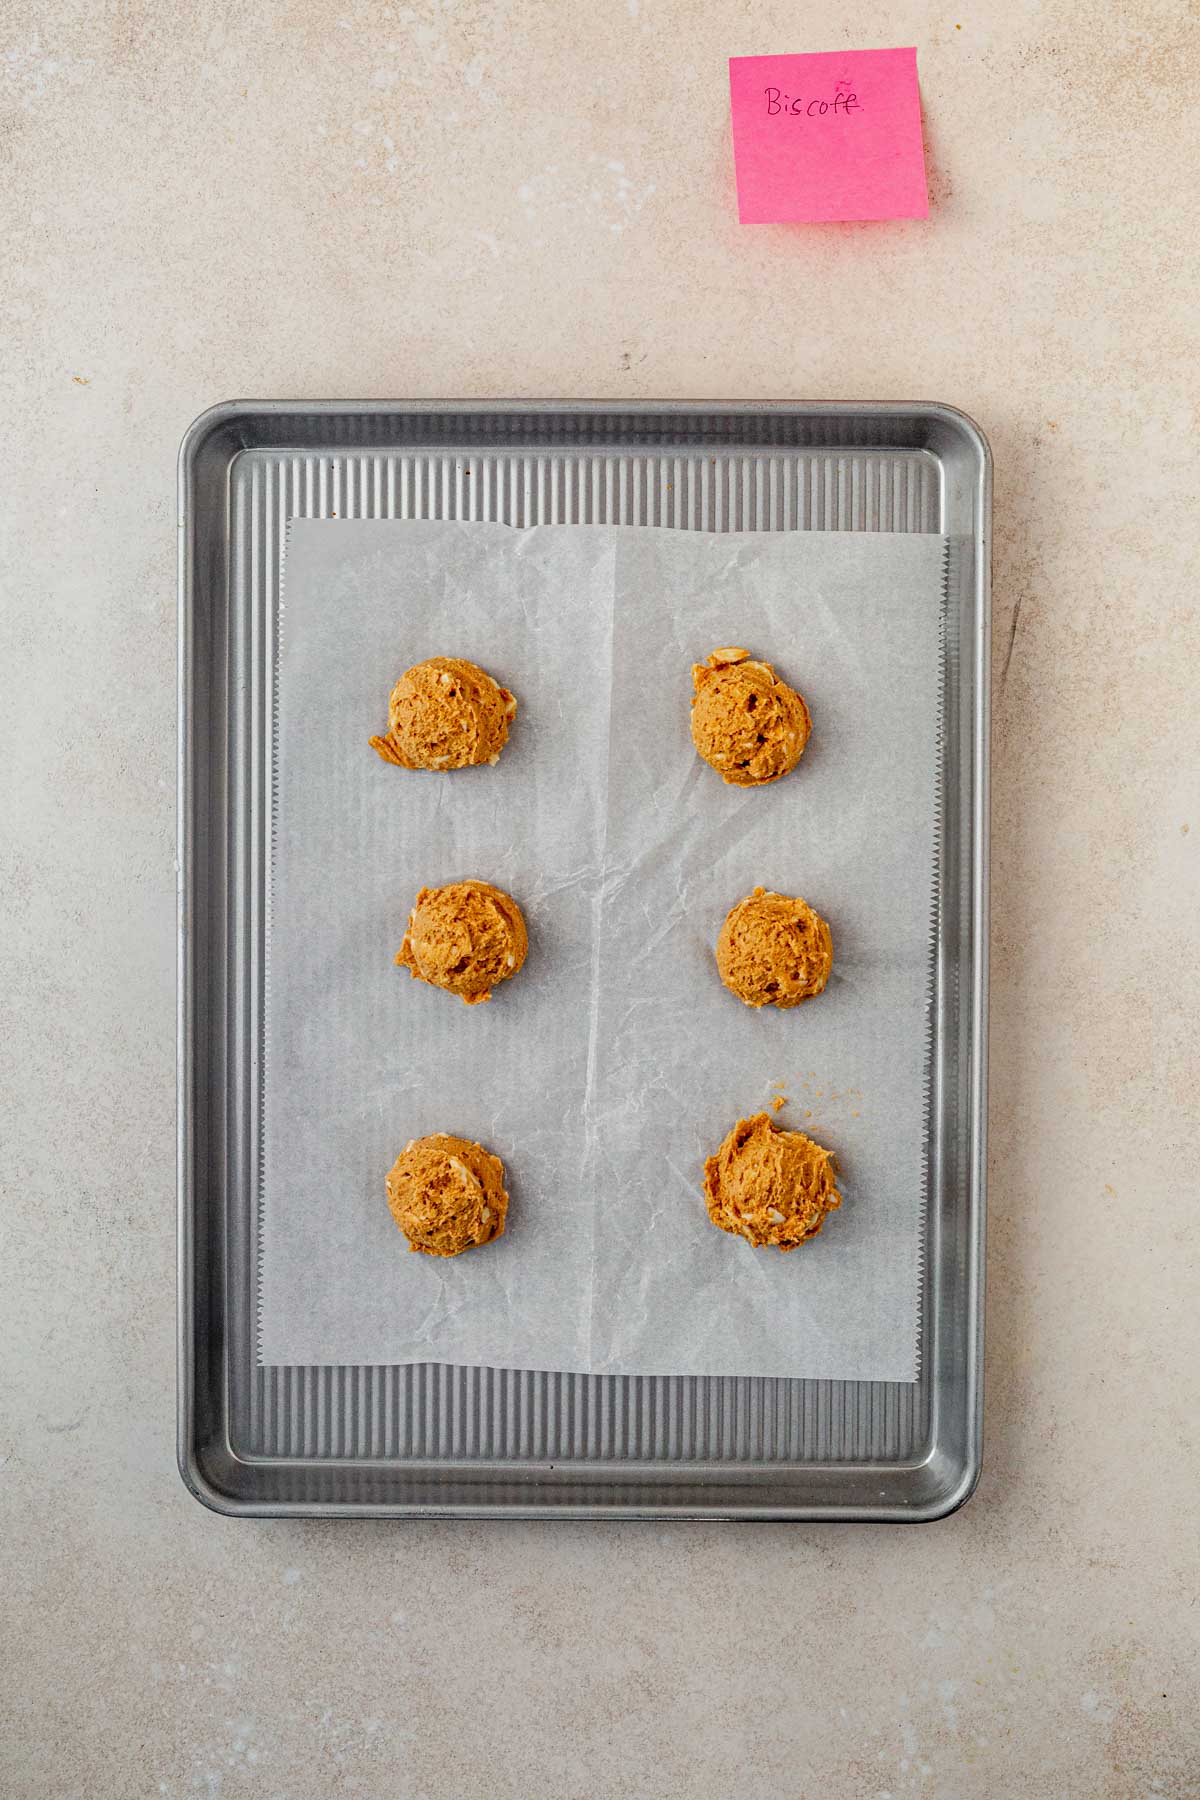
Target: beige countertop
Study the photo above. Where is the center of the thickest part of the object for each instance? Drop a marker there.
(489, 199)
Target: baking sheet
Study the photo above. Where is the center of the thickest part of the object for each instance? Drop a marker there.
(616, 1061)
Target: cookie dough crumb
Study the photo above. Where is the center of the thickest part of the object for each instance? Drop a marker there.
(446, 714)
(746, 722)
(447, 1195)
(779, 1102)
(770, 1186)
(774, 950)
(465, 938)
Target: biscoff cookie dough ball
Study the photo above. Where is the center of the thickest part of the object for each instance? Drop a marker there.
(465, 938)
(774, 950)
(447, 1195)
(770, 1186)
(446, 714)
(751, 726)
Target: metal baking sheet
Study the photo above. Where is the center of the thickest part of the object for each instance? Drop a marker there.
(429, 1440)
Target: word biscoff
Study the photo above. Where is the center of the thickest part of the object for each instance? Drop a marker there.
(795, 106)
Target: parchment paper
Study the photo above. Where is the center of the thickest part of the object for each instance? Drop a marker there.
(616, 1061)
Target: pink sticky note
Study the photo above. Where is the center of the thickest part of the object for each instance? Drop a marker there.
(835, 135)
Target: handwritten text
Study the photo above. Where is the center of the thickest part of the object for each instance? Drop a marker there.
(796, 106)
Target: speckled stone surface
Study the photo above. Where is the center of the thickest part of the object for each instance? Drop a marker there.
(497, 199)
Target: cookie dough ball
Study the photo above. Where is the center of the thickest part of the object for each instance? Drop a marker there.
(751, 726)
(447, 1195)
(770, 1186)
(446, 714)
(774, 950)
(465, 938)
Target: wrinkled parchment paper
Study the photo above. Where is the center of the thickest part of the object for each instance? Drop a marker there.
(615, 1062)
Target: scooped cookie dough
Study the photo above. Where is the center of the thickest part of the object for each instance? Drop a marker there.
(446, 714)
(465, 938)
(447, 1195)
(774, 950)
(770, 1186)
(751, 726)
